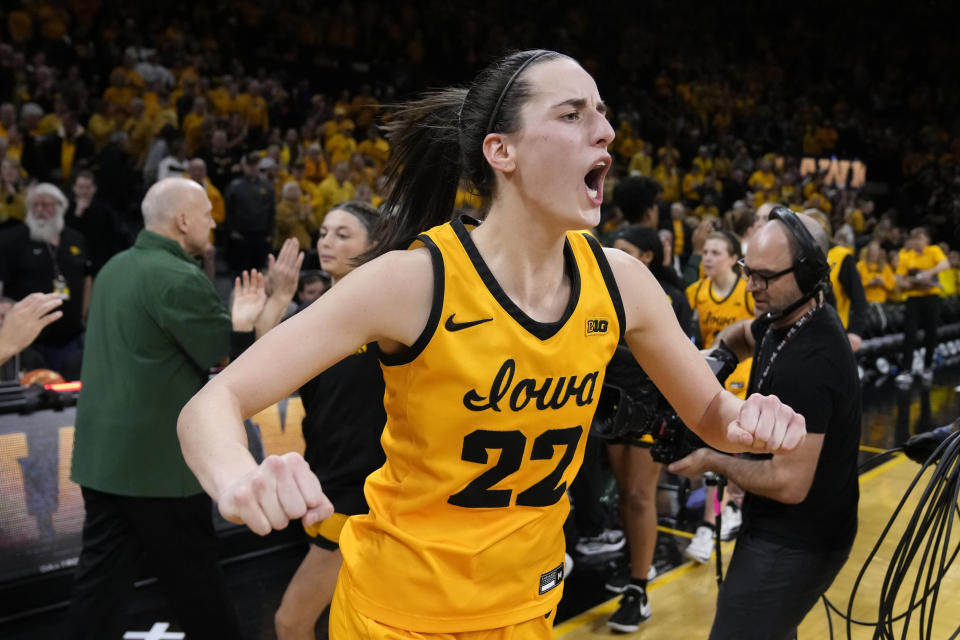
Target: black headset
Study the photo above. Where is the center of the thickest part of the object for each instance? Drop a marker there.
(810, 267)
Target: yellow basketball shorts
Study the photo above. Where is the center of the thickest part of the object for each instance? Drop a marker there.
(346, 623)
(326, 533)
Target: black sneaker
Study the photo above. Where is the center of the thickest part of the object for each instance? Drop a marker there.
(618, 583)
(634, 608)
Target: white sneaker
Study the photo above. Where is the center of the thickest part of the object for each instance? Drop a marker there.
(730, 522)
(701, 547)
(604, 542)
(904, 380)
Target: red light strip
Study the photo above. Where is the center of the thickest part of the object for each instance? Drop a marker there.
(64, 386)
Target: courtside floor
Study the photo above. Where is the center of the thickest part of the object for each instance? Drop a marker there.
(683, 599)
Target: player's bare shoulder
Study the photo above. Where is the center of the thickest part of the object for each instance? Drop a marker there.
(398, 288)
(627, 270)
(639, 290)
(400, 273)
(620, 260)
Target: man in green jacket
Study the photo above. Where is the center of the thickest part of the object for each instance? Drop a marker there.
(155, 328)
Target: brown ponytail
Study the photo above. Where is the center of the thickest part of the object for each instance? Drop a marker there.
(438, 139)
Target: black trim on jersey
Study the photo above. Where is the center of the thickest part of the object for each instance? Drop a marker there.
(608, 278)
(436, 307)
(324, 543)
(541, 330)
(746, 294)
(710, 290)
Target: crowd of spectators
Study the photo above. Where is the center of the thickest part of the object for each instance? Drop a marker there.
(277, 110)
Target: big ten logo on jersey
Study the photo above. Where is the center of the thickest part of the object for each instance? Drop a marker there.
(597, 326)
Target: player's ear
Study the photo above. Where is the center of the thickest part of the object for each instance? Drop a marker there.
(499, 152)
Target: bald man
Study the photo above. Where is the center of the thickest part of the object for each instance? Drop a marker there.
(800, 510)
(155, 328)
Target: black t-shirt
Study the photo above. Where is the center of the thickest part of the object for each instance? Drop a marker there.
(100, 229)
(853, 285)
(342, 424)
(816, 374)
(27, 266)
(220, 168)
(250, 206)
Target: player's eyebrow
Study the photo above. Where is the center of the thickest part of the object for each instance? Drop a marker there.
(579, 103)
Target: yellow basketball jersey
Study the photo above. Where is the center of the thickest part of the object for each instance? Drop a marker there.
(714, 314)
(835, 258)
(487, 419)
(736, 383)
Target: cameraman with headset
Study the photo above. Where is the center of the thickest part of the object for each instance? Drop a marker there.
(800, 511)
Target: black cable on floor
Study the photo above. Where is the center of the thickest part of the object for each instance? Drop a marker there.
(882, 454)
(826, 606)
(930, 528)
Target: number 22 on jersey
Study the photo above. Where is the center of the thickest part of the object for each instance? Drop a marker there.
(512, 444)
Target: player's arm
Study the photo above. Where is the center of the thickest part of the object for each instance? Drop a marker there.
(387, 300)
(762, 423)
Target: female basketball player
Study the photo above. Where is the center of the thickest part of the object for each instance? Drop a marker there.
(718, 300)
(494, 343)
(633, 467)
(721, 298)
(342, 424)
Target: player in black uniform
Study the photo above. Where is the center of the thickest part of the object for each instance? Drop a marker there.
(636, 472)
(343, 420)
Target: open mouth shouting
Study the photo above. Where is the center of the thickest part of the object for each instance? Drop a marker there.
(594, 180)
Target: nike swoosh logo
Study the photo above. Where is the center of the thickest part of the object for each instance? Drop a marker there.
(450, 325)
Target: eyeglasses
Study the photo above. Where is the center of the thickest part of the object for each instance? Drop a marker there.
(759, 280)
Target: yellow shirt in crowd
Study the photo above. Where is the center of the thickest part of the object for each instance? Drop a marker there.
(911, 261)
(950, 281)
(868, 271)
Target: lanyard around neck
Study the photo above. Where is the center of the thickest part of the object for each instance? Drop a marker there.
(802, 320)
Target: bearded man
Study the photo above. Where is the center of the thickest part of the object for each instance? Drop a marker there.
(45, 256)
